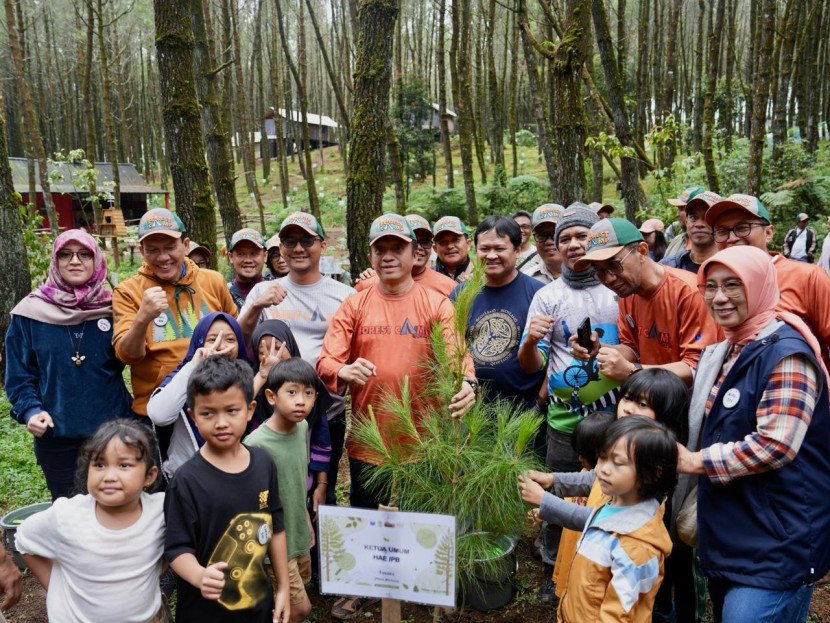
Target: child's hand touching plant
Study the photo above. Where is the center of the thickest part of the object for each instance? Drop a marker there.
(530, 487)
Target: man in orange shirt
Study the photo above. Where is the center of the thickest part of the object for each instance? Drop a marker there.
(662, 322)
(377, 338)
(805, 288)
(421, 273)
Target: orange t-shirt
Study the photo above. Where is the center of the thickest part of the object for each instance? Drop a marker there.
(393, 333)
(805, 292)
(670, 324)
(429, 278)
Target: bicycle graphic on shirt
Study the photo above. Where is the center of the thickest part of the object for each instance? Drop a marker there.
(580, 373)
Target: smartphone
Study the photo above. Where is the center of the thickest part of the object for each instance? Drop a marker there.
(583, 334)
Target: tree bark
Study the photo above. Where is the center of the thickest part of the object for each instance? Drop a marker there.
(181, 117)
(33, 139)
(495, 115)
(715, 40)
(372, 80)
(110, 144)
(15, 280)
(641, 76)
(669, 80)
(444, 116)
(787, 36)
(728, 109)
(276, 89)
(220, 160)
(631, 191)
(697, 123)
(760, 98)
(460, 78)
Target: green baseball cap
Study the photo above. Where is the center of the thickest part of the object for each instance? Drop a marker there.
(391, 225)
(747, 204)
(449, 223)
(160, 221)
(546, 213)
(247, 234)
(305, 221)
(416, 221)
(605, 240)
(687, 195)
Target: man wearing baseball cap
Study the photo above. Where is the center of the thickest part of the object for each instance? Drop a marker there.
(548, 264)
(421, 272)
(378, 337)
(247, 256)
(804, 288)
(699, 234)
(662, 320)
(676, 232)
(306, 299)
(801, 241)
(452, 244)
(602, 210)
(156, 309)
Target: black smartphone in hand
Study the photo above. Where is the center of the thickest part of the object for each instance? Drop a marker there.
(583, 334)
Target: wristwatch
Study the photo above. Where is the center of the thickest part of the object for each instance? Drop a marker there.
(637, 368)
(473, 383)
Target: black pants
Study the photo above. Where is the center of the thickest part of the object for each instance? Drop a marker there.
(359, 495)
(58, 459)
(560, 458)
(337, 433)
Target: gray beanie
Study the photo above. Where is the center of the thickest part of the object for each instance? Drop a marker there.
(575, 214)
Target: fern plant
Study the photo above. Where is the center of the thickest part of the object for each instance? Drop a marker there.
(466, 467)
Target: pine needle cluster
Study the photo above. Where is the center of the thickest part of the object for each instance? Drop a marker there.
(466, 467)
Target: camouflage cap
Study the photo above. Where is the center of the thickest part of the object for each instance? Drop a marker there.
(160, 221)
(390, 225)
(304, 220)
(605, 240)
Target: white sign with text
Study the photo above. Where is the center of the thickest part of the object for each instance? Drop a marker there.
(396, 555)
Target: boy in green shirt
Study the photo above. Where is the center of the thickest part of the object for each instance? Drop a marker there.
(292, 389)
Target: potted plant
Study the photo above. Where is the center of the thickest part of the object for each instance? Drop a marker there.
(465, 467)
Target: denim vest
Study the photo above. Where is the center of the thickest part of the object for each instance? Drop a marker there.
(768, 530)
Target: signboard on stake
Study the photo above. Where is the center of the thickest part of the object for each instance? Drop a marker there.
(392, 555)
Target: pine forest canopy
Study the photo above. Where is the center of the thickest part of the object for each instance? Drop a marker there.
(632, 86)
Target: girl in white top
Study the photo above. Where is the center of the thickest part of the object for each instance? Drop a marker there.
(99, 555)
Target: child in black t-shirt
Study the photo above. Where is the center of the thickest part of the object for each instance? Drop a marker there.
(223, 509)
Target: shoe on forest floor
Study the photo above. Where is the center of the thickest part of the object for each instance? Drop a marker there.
(348, 607)
(547, 592)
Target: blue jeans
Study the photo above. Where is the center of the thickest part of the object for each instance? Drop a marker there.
(736, 603)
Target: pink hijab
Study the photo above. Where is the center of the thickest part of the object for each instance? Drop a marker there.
(754, 266)
(58, 302)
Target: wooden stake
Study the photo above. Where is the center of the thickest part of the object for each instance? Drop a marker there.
(115, 252)
(390, 608)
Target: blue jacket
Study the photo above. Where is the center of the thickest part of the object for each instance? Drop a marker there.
(41, 376)
(769, 530)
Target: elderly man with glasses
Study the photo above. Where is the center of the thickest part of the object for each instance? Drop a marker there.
(662, 320)
(805, 288)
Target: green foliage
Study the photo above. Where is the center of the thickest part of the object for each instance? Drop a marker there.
(21, 481)
(805, 194)
(611, 145)
(524, 192)
(441, 202)
(411, 111)
(38, 245)
(525, 138)
(467, 467)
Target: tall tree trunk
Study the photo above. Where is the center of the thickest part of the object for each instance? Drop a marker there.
(299, 81)
(513, 112)
(33, 138)
(697, 123)
(622, 35)
(396, 169)
(760, 98)
(536, 95)
(106, 96)
(751, 63)
(728, 110)
(443, 114)
(88, 112)
(569, 129)
(182, 119)
(495, 115)
(669, 80)
(14, 278)
(715, 40)
(218, 150)
(787, 37)
(477, 102)
(641, 76)
(632, 194)
(264, 145)
(276, 89)
(372, 80)
(460, 78)
(816, 56)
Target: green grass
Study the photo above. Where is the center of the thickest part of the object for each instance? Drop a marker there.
(21, 481)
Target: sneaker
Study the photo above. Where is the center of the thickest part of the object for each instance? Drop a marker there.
(547, 592)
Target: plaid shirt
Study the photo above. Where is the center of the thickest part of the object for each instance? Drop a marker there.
(783, 416)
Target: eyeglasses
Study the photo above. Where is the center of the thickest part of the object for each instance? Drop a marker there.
(305, 243)
(83, 255)
(425, 243)
(544, 236)
(524, 227)
(730, 289)
(741, 230)
(201, 263)
(615, 268)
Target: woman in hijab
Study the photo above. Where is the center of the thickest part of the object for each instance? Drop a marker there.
(62, 376)
(758, 423)
(217, 333)
(272, 341)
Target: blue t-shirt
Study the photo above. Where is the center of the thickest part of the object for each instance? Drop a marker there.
(607, 511)
(494, 331)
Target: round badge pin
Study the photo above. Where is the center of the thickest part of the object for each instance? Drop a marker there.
(104, 325)
(263, 534)
(160, 321)
(731, 398)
